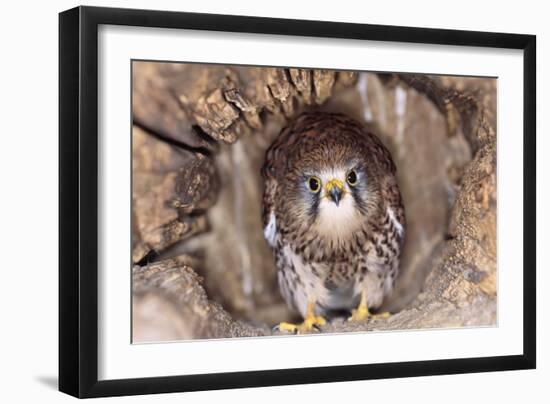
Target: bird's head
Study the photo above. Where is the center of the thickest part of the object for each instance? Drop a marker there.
(330, 172)
(332, 194)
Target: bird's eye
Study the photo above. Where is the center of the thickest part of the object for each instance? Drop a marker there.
(352, 178)
(314, 184)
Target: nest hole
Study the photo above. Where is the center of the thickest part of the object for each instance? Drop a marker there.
(232, 256)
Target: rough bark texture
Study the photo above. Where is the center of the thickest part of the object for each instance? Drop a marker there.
(169, 303)
(199, 142)
(171, 190)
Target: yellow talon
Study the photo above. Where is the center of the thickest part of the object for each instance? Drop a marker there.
(362, 311)
(310, 322)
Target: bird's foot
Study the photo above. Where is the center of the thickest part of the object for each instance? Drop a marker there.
(363, 313)
(311, 322)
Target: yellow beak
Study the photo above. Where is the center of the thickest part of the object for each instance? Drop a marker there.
(334, 190)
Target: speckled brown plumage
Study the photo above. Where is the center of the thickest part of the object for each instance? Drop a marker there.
(332, 213)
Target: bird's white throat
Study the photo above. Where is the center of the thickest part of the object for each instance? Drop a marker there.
(338, 221)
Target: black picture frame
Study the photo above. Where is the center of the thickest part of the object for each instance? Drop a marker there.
(78, 201)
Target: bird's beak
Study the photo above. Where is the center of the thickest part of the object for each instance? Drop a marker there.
(335, 189)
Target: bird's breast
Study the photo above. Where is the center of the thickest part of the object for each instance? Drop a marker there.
(333, 286)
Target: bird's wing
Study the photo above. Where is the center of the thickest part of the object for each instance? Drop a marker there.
(268, 211)
(275, 163)
(394, 206)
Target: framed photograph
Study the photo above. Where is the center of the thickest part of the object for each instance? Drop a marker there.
(251, 201)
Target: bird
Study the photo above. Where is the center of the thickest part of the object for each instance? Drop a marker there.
(333, 215)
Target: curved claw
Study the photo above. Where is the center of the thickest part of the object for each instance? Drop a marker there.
(310, 323)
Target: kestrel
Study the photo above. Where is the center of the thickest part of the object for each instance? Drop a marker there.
(333, 215)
